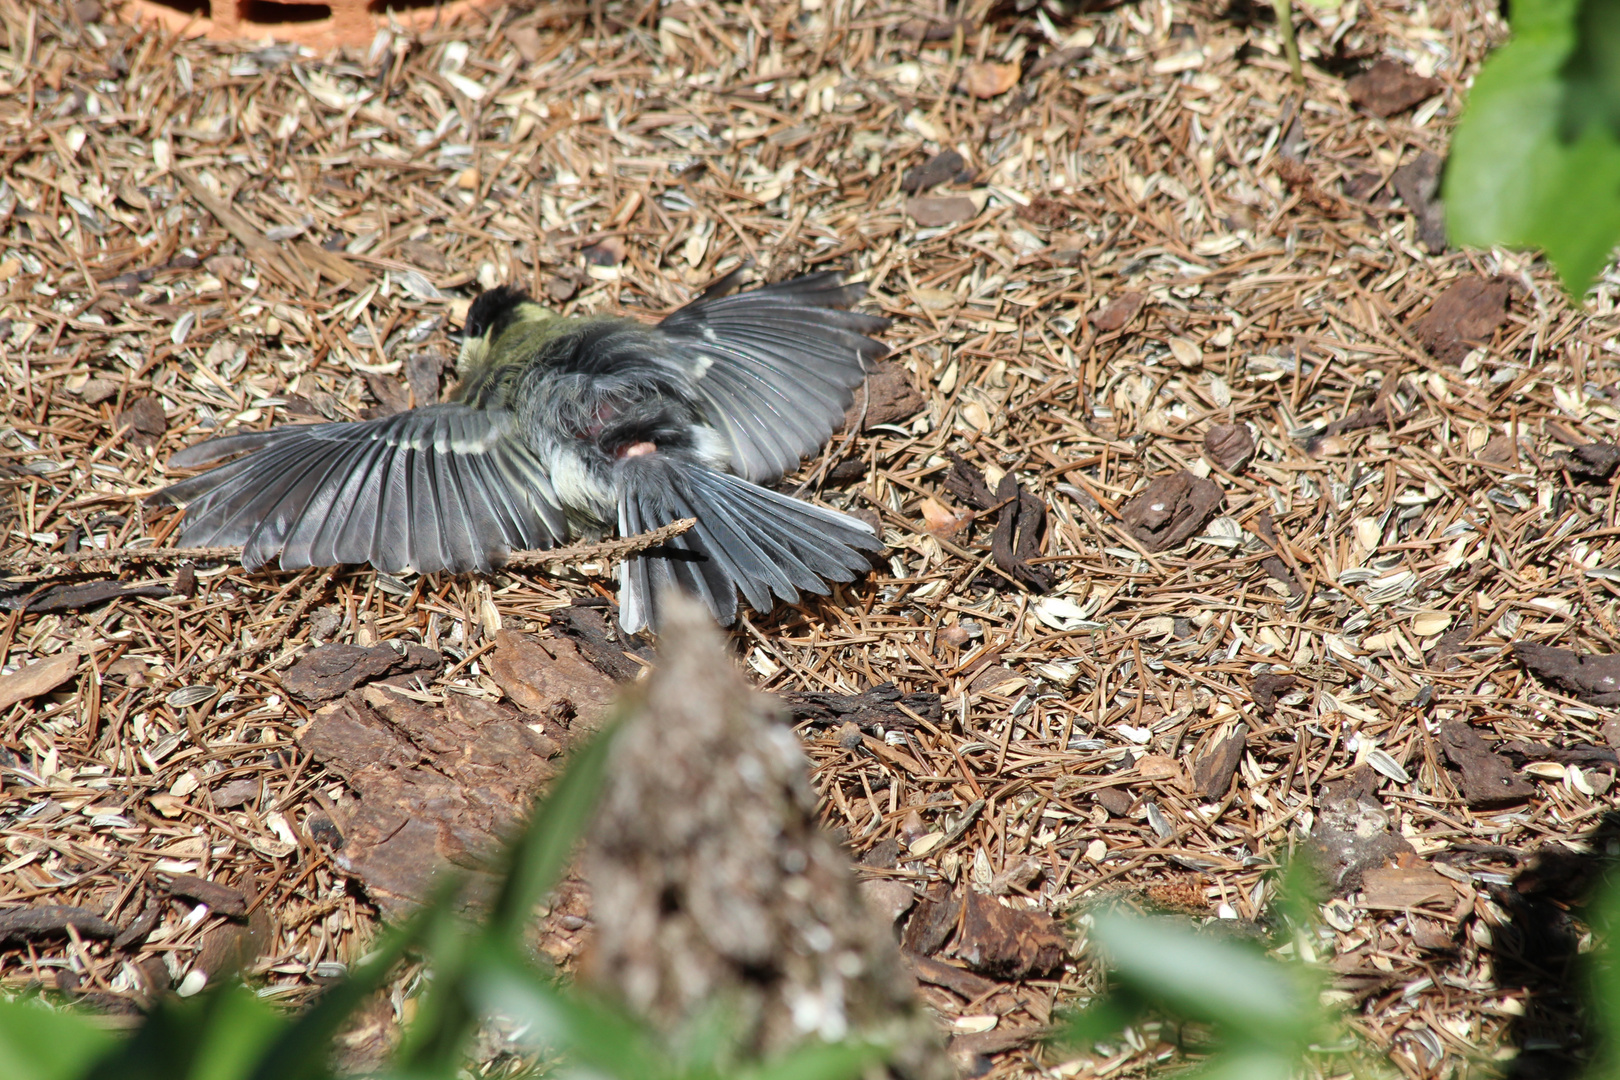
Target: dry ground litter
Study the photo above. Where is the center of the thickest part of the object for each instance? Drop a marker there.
(1230, 512)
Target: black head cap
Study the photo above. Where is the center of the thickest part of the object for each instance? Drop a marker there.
(493, 311)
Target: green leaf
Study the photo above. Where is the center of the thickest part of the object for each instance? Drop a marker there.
(305, 1047)
(1535, 160)
(541, 852)
(217, 1035)
(41, 1043)
(597, 1034)
(1250, 1064)
(533, 862)
(239, 1028)
(1104, 1018)
(821, 1061)
(1204, 978)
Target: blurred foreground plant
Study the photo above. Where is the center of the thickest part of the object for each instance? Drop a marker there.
(478, 971)
(1258, 1018)
(1535, 159)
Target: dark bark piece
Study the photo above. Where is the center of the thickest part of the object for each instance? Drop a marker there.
(1119, 311)
(1567, 755)
(975, 1045)
(1500, 450)
(1171, 509)
(1593, 463)
(143, 421)
(229, 947)
(1273, 564)
(547, 676)
(927, 28)
(96, 391)
(1229, 445)
(1388, 87)
(868, 710)
(1591, 677)
(1213, 773)
(889, 396)
(1488, 780)
(1008, 943)
(1378, 414)
(1418, 184)
(596, 637)
(1116, 801)
(432, 786)
(1045, 212)
(607, 252)
(1451, 642)
(1465, 316)
(219, 898)
(425, 255)
(1057, 58)
(711, 879)
(424, 372)
(19, 924)
(1019, 531)
(388, 393)
(87, 594)
(885, 855)
(1267, 687)
(330, 671)
(960, 980)
(140, 928)
(1352, 833)
(1301, 180)
(936, 170)
(967, 484)
(890, 899)
(938, 211)
(932, 923)
(235, 793)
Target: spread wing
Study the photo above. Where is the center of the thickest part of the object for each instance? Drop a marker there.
(776, 367)
(446, 487)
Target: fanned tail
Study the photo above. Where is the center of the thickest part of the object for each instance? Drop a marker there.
(747, 539)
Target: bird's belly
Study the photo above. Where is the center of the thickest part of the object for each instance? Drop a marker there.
(583, 490)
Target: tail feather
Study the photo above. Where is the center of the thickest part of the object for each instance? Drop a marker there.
(746, 539)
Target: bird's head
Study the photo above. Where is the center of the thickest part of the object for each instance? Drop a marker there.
(490, 316)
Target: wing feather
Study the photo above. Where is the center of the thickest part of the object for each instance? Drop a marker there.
(446, 487)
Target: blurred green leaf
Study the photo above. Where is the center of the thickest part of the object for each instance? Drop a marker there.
(217, 1035)
(596, 1034)
(1535, 160)
(820, 1061)
(1202, 977)
(38, 1042)
(533, 862)
(1250, 1064)
(541, 853)
(303, 1050)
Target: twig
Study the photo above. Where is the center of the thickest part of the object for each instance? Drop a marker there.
(523, 560)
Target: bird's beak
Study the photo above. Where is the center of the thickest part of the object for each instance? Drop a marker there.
(457, 336)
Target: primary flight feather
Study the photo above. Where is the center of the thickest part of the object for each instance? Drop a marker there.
(570, 427)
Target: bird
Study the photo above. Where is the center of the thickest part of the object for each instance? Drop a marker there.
(562, 428)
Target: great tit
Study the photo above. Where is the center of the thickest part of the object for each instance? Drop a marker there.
(563, 428)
